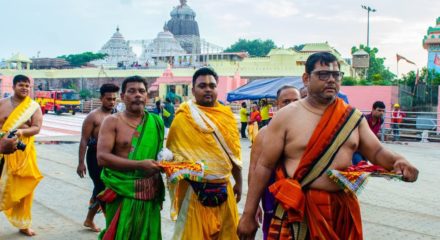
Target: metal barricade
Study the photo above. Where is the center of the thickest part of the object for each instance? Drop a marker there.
(415, 126)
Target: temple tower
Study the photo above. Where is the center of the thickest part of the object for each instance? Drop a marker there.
(431, 42)
(118, 51)
(184, 27)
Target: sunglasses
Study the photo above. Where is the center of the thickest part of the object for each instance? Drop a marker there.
(325, 75)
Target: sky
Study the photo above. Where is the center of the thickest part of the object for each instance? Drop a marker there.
(49, 28)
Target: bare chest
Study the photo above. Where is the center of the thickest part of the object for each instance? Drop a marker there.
(299, 133)
(6, 110)
(97, 124)
(124, 135)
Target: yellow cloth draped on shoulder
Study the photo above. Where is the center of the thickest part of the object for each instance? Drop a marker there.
(207, 134)
(20, 174)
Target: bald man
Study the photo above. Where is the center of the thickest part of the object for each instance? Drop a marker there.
(285, 95)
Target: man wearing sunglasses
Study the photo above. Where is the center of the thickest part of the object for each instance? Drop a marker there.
(304, 142)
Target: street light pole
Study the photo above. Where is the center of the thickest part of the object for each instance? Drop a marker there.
(369, 9)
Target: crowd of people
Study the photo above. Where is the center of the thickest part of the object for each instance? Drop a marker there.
(308, 136)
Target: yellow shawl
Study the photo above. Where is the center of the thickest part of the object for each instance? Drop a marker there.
(192, 138)
(20, 174)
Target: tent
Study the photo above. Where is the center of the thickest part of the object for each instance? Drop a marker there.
(263, 88)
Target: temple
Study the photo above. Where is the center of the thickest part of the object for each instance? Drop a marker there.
(431, 42)
(185, 28)
(118, 51)
(163, 49)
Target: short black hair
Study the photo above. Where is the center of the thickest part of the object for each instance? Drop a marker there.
(203, 71)
(133, 79)
(284, 87)
(108, 88)
(324, 58)
(378, 104)
(243, 104)
(20, 78)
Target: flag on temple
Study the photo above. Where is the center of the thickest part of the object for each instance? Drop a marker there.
(399, 57)
(437, 60)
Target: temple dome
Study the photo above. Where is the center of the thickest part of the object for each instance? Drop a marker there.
(117, 50)
(163, 45)
(184, 27)
(184, 10)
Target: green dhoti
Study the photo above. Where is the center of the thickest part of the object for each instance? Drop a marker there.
(134, 198)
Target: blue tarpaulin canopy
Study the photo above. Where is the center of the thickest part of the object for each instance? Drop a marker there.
(263, 88)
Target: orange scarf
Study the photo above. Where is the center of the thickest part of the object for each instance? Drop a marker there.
(296, 201)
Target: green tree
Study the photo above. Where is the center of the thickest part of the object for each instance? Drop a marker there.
(298, 47)
(429, 77)
(377, 72)
(85, 94)
(256, 47)
(349, 81)
(78, 60)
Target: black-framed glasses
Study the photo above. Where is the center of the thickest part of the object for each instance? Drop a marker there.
(325, 75)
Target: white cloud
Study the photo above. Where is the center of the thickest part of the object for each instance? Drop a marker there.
(277, 8)
(231, 20)
(384, 19)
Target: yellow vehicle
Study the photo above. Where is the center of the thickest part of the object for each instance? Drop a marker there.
(58, 101)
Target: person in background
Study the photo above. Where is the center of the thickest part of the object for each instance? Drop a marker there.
(264, 111)
(375, 121)
(285, 95)
(243, 119)
(168, 115)
(158, 109)
(254, 120)
(87, 147)
(396, 119)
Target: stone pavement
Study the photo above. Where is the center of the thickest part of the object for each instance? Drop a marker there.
(390, 209)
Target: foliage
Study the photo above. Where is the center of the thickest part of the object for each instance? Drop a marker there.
(298, 47)
(85, 94)
(349, 81)
(78, 60)
(428, 77)
(377, 72)
(256, 47)
(71, 85)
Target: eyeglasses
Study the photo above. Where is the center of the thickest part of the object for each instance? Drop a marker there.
(325, 75)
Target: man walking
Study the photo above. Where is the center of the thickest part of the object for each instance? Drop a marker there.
(303, 149)
(20, 175)
(205, 130)
(89, 141)
(127, 149)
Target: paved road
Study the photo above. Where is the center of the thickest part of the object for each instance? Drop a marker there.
(390, 209)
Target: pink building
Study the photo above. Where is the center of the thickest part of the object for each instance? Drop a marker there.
(363, 97)
(6, 85)
(182, 85)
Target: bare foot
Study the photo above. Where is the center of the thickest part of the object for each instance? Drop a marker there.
(92, 226)
(28, 232)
